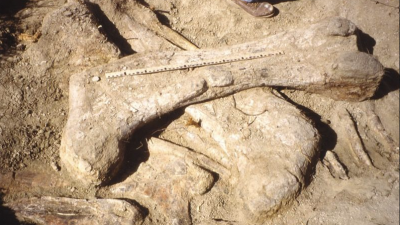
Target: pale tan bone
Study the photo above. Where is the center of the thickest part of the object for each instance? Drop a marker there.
(269, 155)
(141, 27)
(334, 166)
(353, 139)
(376, 125)
(322, 58)
(65, 211)
(167, 182)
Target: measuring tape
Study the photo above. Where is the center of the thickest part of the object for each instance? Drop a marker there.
(180, 66)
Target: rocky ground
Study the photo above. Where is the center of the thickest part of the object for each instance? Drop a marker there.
(43, 43)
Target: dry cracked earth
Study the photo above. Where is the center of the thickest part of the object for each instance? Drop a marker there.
(194, 112)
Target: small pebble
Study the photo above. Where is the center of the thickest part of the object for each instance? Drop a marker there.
(67, 13)
(21, 47)
(95, 79)
(54, 166)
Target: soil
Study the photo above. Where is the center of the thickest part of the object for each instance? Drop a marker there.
(34, 109)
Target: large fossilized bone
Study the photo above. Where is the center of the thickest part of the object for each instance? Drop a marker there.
(270, 146)
(322, 58)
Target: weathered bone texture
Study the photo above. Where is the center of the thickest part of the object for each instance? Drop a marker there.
(322, 58)
(269, 145)
(352, 136)
(65, 211)
(376, 125)
(334, 166)
(167, 182)
(139, 26)
(32, 181)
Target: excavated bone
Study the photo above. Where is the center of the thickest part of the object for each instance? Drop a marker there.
(322, 58)
(167, 181)
(141, 27)
(376, 125)
(65, 211)
(334, 166)
(269, 154)
(352, 137)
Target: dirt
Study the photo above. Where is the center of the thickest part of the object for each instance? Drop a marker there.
(34, 108)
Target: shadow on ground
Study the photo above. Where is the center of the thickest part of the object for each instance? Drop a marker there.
(110, 30)
(389, 83)
(136, 151)
(7, 215)
(10, 7)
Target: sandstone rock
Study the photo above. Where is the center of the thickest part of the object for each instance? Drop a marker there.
(77, 40)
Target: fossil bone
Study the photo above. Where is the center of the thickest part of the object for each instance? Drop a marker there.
(268, 158)
(64, 211)
(322, 58)
(167, 181)
(140, 26)
(377, 126)
(269, 155)
(353, 139)
(334, 166)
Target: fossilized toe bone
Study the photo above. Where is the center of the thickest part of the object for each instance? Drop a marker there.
(322, 58)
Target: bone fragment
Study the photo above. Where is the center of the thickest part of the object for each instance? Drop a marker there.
(149, 19)
(353, 138)
(159, 146)
(322, 58)
(166, 183)
(65, 211)
(376, 125)
(334, 166)
(141, 28)
(140, 37)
